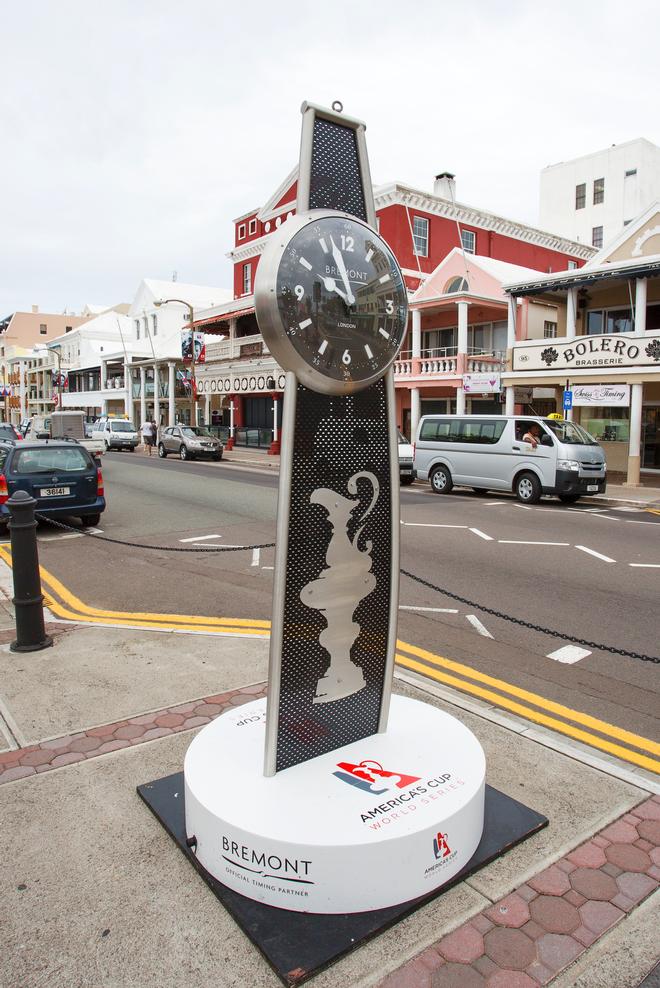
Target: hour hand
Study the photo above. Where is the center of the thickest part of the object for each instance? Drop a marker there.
(331, 286)
(339, 261)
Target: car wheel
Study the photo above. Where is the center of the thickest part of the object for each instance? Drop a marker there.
(162, 452)
(406, 480)
(183, 452)
(569, 498)
(527, 488)
(480, 491)
(90, 520)
(441, 482)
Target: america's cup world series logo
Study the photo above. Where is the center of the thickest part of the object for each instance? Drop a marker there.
(441, 848)
(372, 777)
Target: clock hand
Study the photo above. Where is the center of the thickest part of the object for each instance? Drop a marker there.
(331, 286)
(339, 261)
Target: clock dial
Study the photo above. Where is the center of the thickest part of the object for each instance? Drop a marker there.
(341, 304)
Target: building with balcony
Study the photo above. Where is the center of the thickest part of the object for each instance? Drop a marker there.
(607, 346)
(243, 383)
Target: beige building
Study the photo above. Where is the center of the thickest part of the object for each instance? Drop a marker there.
(607, 346)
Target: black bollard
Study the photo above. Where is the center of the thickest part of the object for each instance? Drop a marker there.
(28, 598)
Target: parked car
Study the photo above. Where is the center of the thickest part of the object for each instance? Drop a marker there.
(491, 452)
(115, 433)
(62, 475)
(9, 432)
(189, 442)
(63, 425)
(407, 471)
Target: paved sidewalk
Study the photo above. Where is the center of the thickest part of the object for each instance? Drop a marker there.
(97, 896)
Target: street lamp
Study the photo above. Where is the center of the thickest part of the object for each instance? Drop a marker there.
(193, 382)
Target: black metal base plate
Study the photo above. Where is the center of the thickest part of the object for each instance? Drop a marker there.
(298, 945)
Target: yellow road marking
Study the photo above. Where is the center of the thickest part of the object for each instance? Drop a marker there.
(652, 511)
(257, 628)
(591, 739)
(540, 701)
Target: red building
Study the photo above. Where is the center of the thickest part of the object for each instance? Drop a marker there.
(423, 228)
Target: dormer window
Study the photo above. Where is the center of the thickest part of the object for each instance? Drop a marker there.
(252, 227)
(241, 231)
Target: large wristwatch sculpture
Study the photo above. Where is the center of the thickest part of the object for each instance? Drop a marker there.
(332, 306)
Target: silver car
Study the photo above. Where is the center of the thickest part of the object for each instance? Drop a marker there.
(189, 442)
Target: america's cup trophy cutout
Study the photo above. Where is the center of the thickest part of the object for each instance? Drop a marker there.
(340, 588)
(350, 799)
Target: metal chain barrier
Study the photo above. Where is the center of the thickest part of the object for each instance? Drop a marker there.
(156, 548)
(411, 576)
(528, 624)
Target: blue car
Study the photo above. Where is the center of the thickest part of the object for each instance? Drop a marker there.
(63, 477)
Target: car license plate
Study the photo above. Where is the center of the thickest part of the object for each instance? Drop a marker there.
(55, 491)
(592, 487)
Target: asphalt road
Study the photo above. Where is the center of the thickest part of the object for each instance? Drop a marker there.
(585, 571)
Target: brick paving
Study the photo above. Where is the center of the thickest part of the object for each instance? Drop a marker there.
(58, 752)
(527, 938)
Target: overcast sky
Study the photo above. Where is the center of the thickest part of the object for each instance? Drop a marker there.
(133, 132)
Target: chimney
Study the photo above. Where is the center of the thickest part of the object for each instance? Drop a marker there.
(35, 308)
(445, 186)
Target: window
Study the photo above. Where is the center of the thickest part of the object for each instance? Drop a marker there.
(572, 265)
(469, 241)
(252, 228)
(599, 190)
(457, 285)
(630, 172)
(421, 236)
(154, 324)
(597, 236)
(67, 329)
(609, 321)
(42, 328)
(137, 329)
(247, 279)
(468, 430)
(241, 231)
(581, 195)
(549, 330)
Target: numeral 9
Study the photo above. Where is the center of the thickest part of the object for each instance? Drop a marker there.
(300, 292)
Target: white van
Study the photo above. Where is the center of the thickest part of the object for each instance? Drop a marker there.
(524, 454)
(116, 433)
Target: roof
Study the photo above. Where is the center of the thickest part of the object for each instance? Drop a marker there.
(485, 277)
(197, 295)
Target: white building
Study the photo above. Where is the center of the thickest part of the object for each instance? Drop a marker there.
(591, 198)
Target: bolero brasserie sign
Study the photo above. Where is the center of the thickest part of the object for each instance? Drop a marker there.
(613, 350)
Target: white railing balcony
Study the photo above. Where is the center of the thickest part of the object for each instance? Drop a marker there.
(478, 363)
(240, 346)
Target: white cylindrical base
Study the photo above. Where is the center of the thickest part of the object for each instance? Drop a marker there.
(373, 824)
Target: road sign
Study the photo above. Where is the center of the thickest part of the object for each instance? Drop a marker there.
(568, 400)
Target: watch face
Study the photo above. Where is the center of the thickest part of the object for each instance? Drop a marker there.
(341, 303)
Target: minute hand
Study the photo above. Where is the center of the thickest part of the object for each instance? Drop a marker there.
(339, 261)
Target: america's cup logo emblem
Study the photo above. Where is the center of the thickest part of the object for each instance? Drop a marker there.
(372, 777)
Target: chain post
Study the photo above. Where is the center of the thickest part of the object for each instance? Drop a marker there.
(28, 599)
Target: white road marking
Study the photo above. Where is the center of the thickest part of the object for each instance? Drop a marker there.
(423, 524)
(606, 517)
(632, 521)
(255, 557)
(201, 538)
(489, 504)
(598, 555)
(645, 565)
(525, 506)
(569, 654)
(482, 535)
(305, 263)
(476, 623)
(436, 610)
(521, 542)
(268, 567)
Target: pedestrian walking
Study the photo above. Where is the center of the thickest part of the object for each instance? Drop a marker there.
(148, 435)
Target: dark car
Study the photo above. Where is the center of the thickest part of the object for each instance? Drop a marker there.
(9, 433)
(63, 477)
